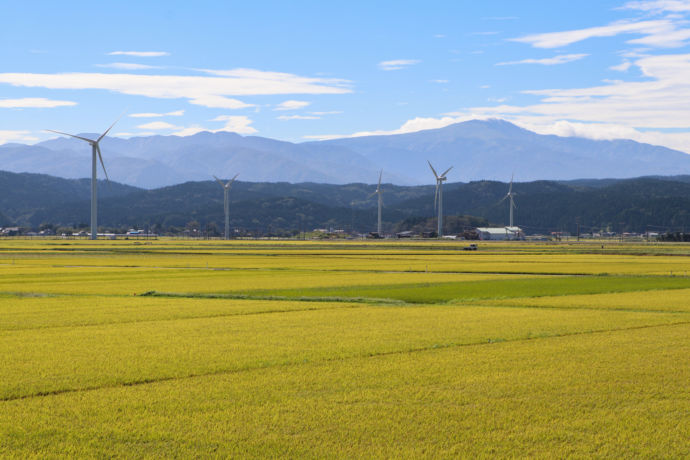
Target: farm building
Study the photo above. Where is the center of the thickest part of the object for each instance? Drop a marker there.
(500, 233)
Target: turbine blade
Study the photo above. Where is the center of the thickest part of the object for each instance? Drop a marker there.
(380, 175)
(446, 172)
(432, 169)
(233, 180)
(100, 157)
(90, 141)
(219, 181)
(111, 127)
(510, 189)
(370, 196)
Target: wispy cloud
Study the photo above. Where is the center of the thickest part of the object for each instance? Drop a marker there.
(653, 111)
(158, 125)
(660, 33)
(127, 66)
(659, 6)
(34, 103)
(298, 117)
(139, 53)
(291, 105)
(323, 137)
(215, 101)
(176, 113)
(622, 67)
(397, 64)
(330, 112)
(208, 91)
(232, 123)
(16, 136)
(560, 59)
(139, 134)
(410, 126)
(235, 123)
(439, 81)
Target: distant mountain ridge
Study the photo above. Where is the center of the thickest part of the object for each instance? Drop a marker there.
(639, 204)
(479, 150)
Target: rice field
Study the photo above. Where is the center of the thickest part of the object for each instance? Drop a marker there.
(411, 349)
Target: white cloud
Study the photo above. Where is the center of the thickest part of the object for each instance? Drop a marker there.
(291, 105)
(331, 112)
(232, 123)
(158, 125)
(622, 67)
(659, 32)
(298, 117)
(190, 131)
(33, 103)
(176, 113)
(219, 102)
(560, 59)
(397, 64)
(16, 136)
(410, 126)
(140, 53)
(139, 134)
(235, 123)
(598, 131)
(440, 81)
(324, 137)
(209, 91)
(669, 39)
(644, 111)
(659, 6)
(127, 66)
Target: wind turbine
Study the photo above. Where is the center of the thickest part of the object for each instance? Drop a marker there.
(510, 195)
(226, 195)
(438, 197)
(95, 151)
(379, 192)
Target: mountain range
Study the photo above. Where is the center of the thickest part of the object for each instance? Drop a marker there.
(478, 150)
(640, 204)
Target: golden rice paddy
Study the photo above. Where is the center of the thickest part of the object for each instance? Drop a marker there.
(344, 349)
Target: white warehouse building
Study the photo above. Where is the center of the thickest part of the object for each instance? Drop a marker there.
(500, 233)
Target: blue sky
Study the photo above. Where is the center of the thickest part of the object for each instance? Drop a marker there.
(313, 70)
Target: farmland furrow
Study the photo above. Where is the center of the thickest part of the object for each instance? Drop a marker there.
(147, 381)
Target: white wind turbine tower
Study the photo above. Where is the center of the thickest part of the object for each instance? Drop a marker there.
(379, 192)
(226, 195)
(438, 197)
(510, 196)
(95, 152)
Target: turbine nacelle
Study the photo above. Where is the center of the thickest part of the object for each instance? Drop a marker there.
(93, 143)
(440, 178)
(228, 185)
(378, 190)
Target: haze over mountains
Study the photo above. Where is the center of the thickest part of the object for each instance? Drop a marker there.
(491, 149)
